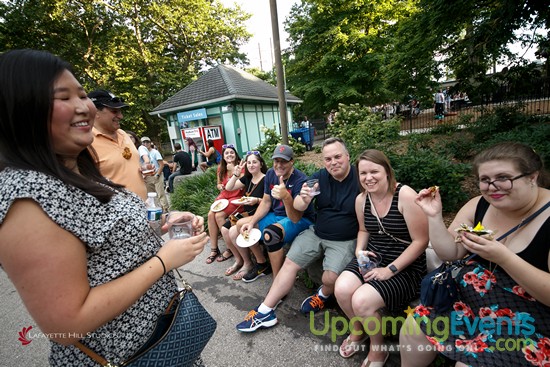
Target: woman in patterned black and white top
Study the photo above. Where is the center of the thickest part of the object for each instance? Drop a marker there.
(399, 237)
(76, 246)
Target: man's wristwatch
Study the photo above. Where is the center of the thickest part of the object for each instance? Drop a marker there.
(392, 268)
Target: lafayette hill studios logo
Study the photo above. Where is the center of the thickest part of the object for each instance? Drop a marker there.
(23, 336)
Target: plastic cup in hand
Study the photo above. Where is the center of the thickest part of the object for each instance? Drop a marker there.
(313, 191)
(180, 225)
(367, 262)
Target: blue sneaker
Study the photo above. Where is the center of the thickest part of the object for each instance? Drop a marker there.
(313, 303)
(255, 320)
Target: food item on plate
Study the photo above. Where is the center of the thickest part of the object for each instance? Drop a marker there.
(243, 199)
(246, 235)
(478, 230)
(433, 190)
(218, 206)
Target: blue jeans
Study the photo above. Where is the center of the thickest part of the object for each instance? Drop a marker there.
(171, 180)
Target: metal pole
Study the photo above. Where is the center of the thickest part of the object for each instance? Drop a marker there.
(280, 71)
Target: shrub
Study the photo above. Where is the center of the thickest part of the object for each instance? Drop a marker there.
(272, 139)
(360, 128)
(196, 193)
(423, 168)
(308, 169)
(502, 118)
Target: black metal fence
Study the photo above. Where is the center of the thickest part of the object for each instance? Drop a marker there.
(533, 101)
(426, 119)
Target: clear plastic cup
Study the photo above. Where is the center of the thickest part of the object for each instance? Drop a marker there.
(366, 266)
(311, 183)
(180, 225)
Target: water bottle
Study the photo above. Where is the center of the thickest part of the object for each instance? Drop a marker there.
(364, 262)
(154, 212)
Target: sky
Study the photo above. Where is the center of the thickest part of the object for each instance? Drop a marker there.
(259, 48)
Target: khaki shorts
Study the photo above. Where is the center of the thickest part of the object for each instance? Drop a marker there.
(308, 247)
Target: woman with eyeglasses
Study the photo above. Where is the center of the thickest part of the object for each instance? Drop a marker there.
(253, 182)
(502, 317)
(216, 220)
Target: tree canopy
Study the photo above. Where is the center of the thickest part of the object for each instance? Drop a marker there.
(375, 51)
(143, 50)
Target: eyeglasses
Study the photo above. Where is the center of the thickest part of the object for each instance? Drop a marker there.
(225, 146)
(501, 183)
(255, 152)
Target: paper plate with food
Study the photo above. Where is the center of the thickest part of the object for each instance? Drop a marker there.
(241, 201)
(249, 238)
(219, 205)
(478, 230)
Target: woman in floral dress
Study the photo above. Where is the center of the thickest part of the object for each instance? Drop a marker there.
(502, 317)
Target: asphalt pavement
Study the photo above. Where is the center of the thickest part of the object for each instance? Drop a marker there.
(290, 343)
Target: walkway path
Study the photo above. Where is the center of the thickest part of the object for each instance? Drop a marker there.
(290, 343)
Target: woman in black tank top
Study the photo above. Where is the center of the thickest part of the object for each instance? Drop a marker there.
(502, 317)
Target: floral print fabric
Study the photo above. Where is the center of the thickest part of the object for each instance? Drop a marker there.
(494, 323)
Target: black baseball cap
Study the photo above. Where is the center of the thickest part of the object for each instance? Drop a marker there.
(102, 97)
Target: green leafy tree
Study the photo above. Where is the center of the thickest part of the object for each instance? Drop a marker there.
(370, 52)
(338, 51)
(143, 50)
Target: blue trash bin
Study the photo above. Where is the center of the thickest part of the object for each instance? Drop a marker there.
(304, 135)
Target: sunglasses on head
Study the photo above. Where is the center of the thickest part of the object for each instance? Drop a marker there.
(255, 152)
(228, 146)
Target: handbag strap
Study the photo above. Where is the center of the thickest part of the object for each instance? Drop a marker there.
(521, 224)
(105, 363)
(380, 223)
(525, 221)
(93, 355)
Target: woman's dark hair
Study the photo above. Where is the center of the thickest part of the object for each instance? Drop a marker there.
(191, 142)
(136, 139)
(263, 165)
(210, 143)
(223, 164)
(27, 78)
(522, 156)
(376, 156)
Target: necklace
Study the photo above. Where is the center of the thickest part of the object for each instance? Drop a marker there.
(249, 190)
(375, 212)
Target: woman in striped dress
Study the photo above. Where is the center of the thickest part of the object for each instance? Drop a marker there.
(394, 228)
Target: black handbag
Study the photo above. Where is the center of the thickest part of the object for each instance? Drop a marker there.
(439, 289)
(179, 336)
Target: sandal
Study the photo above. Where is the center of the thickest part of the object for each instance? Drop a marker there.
(232, 269)
(210, 259)
(240, 274)
(222, 257)
(349, 347)
(367, 363)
